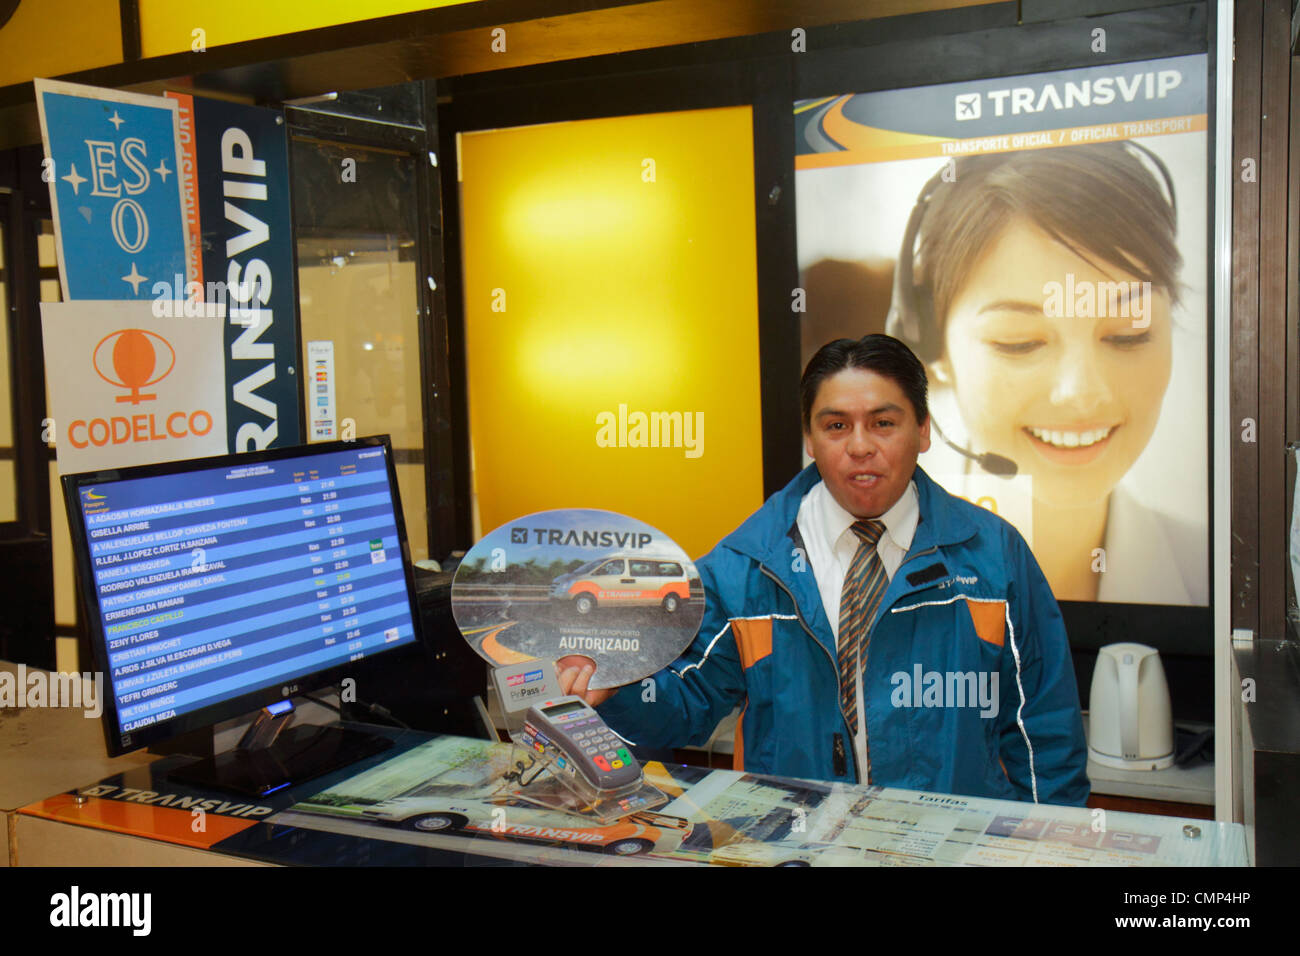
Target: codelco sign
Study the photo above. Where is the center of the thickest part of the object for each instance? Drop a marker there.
(133, 359)
(128, 388)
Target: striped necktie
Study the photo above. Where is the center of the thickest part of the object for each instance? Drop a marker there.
(864, 586)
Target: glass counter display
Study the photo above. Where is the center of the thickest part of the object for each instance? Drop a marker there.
(443, 800)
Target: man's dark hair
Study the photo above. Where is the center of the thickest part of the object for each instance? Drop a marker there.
(882, 354)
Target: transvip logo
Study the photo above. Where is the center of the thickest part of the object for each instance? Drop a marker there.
(582, 538)
(1055, 95)
(135, 359)
(968, 106)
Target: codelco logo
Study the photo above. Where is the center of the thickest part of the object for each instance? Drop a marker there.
(135, 359)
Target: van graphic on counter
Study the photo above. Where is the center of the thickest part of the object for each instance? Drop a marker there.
(625, 581)
(637, 833)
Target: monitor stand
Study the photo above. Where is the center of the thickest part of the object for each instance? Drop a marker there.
(272, 755)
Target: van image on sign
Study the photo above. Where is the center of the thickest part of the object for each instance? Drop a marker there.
(529, 822)
(624, 580)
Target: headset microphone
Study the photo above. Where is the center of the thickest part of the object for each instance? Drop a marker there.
(909, 321)
(993, 464)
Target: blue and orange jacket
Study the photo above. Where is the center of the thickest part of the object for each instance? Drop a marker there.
(969, 600)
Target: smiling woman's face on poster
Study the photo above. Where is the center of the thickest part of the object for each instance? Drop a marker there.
(1072, 399)
(1056, 296)
(1042, 300)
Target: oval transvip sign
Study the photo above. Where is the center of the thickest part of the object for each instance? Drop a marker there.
(579, 581)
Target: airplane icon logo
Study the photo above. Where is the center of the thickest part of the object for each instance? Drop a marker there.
(968, 106)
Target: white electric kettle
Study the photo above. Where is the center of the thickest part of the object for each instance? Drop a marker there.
(1131, 725)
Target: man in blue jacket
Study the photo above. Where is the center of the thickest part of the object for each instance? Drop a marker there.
(873, 627)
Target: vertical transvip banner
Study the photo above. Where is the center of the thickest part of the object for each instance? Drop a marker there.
(242, 212)
(112, 162)
(1040, 242)
(128, 388)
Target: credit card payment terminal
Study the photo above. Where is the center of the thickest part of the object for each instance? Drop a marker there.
(568, 732)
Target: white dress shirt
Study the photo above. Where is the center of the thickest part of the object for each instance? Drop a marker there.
(831, 544)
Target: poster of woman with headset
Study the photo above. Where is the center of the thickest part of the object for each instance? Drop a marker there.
(1049, 266)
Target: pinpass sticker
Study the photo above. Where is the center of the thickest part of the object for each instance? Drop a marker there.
(579, 581)
(520, 686)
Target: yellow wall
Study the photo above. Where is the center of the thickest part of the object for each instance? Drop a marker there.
(168, 27)
(594, 279)
(53, 37)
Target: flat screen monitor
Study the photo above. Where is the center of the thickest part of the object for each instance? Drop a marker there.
(217, 586)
